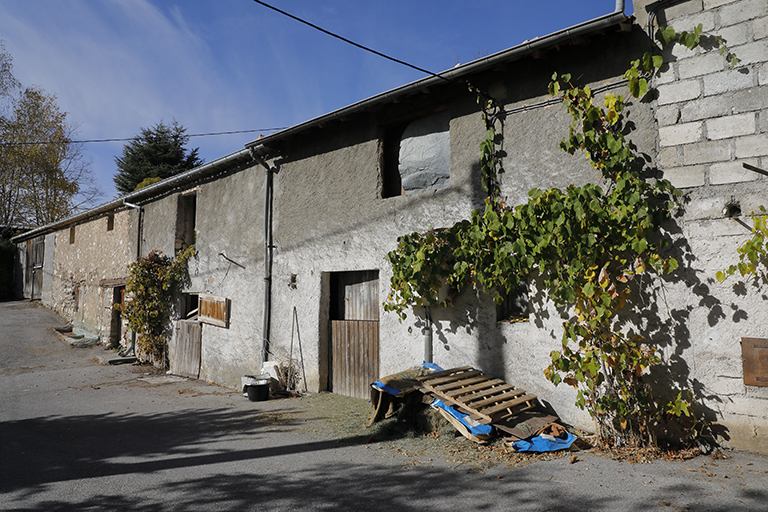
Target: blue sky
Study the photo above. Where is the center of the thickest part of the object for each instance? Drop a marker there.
(224, 65)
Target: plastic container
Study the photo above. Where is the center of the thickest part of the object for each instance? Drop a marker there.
(256, 387)
(258, 392)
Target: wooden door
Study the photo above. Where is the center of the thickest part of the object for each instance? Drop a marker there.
(33, 273)
(354, 330)
(186, 358)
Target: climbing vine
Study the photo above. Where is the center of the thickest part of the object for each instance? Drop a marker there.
(583, 245)
(151, 285)
(753, 255)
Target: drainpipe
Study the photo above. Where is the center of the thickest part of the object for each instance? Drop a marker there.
(427, 336)
(268, 247)
(132, 349)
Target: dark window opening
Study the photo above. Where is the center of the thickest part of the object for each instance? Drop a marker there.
(185, 221)
(415, 156)
(514, 305)
(110, 222)
(72, 235)
(188, 309)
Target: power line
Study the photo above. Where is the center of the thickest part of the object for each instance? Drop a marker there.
(324, 31)
(132, 138)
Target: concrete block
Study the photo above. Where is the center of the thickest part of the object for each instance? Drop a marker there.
(683, 52)
(669, 157)
(735, 35)
(760, 28)
(705, 18)
(686, 177)
(742, 11)
(711, 4)
(706, 152)
(762, 75)
(678, 134)
(680, 10)
(679, 91)
(667, 76)
(751, 146)
(668, 114)
(731, 126)
(728, 81)
(705, 108)
(731, 172)
(752, 53)
(749, 100)
(709, 229)
(704, 64)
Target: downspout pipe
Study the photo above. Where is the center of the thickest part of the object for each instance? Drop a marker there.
(268, 247)
(427, 336)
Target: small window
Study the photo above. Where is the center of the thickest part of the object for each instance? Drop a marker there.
(185, 221)
(415, 156)
(514, 305)
(72, 235)
(110, 222)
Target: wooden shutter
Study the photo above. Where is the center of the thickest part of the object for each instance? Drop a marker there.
(214, 310)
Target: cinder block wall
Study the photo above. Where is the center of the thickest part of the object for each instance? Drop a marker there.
(713, 118)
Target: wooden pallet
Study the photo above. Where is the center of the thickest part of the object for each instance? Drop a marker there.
(484, 398)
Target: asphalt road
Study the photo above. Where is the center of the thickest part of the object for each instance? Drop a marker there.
(76, 435)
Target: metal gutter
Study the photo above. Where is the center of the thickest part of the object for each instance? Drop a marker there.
(143, 194)
(456, 74)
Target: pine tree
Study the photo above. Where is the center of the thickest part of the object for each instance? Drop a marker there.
(156, 152)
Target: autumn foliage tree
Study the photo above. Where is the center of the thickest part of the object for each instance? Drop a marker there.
(43, 175)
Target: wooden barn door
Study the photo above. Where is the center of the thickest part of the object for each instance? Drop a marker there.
(33, 275)
(354, 327)
(186, 358)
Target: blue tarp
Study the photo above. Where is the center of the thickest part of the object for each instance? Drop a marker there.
(474, 427)
(544, 444)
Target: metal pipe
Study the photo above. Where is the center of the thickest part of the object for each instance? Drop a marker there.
(267, 306)
(427, 336)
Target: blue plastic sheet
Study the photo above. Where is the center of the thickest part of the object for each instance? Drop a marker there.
(431, 366)
(543, 444)
(385, 388)
(477, 429)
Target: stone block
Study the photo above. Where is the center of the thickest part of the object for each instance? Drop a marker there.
(762, 75)
(705, 18)
(678, 134)
(742, 11)
(705, 108)
(706, 152)
(731, 172)
(667, 114)
(731, 126)
(734, 35)
(675, 12)
(686, 177)
(679, 91)
(728, 81)
(760, 28)
(704, 64)
(750, 100)
(752, 53)
(669, 157)
(711, 4)
(751, 146)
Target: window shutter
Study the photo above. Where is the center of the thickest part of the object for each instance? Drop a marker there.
(214, 310)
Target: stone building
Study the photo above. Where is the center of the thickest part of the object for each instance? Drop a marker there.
(291, 232)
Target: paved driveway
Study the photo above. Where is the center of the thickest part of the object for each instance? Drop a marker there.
(78, 435)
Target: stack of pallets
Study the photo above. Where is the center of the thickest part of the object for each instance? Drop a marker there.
(482, 397)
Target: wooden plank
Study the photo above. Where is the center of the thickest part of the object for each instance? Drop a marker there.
(443, 373)
(452, 378)
(472, 384)
(498, 398)
(213, 310)
(474, 396)
(508, 405)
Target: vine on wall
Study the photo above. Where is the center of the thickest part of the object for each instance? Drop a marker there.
(583, 244)
(151, 285)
